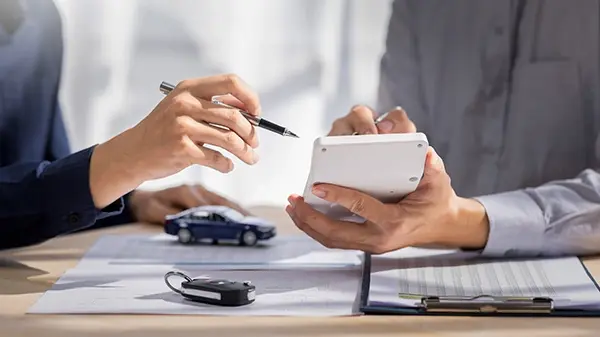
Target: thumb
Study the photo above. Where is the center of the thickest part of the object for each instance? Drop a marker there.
(396, 121)
(434, 165)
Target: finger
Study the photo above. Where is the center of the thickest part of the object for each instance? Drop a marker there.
(204, 156)
(230, 100)
(350, 234)
(232, 119)
(435, 177)
(340, 127)
(185, 197)
(356, 202)
(225, 139)
(207, 87)
(216, 199)
(362, 120)
(203, 111)
(157, 211)
(396, 121)
(329, 243)
(434, 164)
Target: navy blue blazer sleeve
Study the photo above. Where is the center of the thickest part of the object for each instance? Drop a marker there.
(59, 148)
(42, 200)
(57, 144)
(39, 201)
(47, 194)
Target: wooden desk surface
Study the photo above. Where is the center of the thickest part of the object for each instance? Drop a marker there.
(25, 274)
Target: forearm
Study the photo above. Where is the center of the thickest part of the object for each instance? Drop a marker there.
(113, 176)
(113, 170)
(558, 218)
(39, 201)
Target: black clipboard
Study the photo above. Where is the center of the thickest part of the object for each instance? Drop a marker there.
(467, 306)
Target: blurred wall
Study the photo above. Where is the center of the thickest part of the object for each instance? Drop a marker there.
(310, 61)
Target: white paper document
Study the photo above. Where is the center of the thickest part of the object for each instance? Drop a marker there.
(142, 290)
(296, 276)
(279, 253)
(403, 281)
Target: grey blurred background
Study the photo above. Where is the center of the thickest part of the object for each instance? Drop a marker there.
(310, 61)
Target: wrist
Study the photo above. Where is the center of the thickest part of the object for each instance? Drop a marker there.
(469, 227)
(113, 172)
(136, 199)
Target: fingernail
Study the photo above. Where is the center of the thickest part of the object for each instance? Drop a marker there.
(319, 192)
(398, 108)
(256, 157)
(385, 126)
(292, 202)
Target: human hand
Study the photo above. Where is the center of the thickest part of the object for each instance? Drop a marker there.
(153, 207)
(432, 215)
(174, 136)
(361, 120)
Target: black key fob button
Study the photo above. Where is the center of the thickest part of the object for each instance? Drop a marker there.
(216, 292)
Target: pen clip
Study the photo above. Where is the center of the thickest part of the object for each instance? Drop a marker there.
(251, 118)
(217, 102)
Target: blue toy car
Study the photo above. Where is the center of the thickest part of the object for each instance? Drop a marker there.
(218, 223)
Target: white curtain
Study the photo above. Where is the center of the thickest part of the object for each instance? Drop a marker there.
(309, 60)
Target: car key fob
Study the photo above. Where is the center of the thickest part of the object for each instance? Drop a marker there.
(214, 291)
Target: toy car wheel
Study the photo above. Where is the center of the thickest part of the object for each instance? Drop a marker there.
(249, 238)
(184, 235)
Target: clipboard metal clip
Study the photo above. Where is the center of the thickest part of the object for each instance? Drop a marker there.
(488, 304)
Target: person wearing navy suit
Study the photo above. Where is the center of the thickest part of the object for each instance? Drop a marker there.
(47, 191)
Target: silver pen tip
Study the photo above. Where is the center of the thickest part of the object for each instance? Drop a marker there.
(291, 134)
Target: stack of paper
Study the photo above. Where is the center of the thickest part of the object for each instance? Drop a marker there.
(141, 290)
(402, 278)
(293, 276)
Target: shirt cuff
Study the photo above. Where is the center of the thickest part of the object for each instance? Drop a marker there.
(66, 192)
(517, 224)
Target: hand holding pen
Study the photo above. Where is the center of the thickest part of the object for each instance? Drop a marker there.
(166, 88)
(190, 115)
(179, 132)
(360, 121)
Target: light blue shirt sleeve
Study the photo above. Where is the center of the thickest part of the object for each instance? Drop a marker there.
(557, 218)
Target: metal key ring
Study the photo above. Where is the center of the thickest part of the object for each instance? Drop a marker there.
(176, 273)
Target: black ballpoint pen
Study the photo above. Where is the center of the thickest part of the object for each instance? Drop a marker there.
(166, 88)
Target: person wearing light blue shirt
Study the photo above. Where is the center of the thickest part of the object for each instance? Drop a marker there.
(508, 93)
